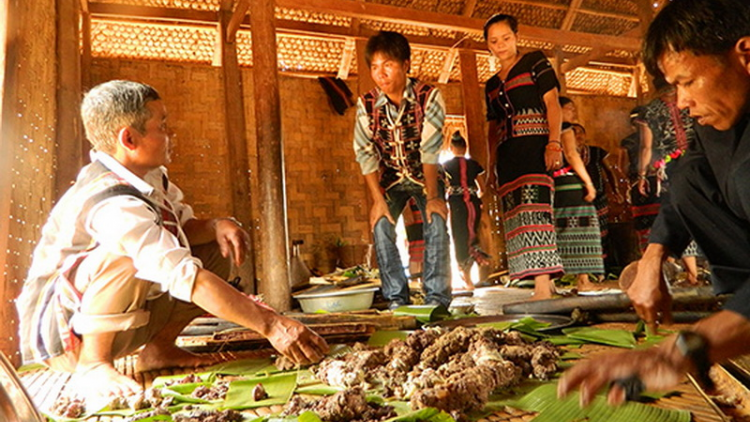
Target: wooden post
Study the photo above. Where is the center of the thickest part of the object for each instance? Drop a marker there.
(8, 54)
(364, 84)
(69, 126)
(236, 139)
(489, 236)
(28, 111)
(558, 63)
(85, 72)
(274, 285)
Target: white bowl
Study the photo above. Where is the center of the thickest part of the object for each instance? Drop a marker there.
(337, 301)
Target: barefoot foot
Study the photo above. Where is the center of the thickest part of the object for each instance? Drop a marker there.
(99, 381)
(155, 356)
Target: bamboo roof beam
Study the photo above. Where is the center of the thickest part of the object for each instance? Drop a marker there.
(442, 21)
(350, 49)
(372, 11)
(570, 15)
(238, 16)
(469, 7)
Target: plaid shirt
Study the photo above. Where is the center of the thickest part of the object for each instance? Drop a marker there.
(145, 225)
(432, 127)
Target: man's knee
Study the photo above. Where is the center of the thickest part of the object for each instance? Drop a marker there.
(384, 230)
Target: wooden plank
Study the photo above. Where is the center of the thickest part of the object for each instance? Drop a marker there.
(69, 125)
(274, 249)
(469, 7)
(433, 20)
(238, 16)
(570, 15)
(236, 139)
(347, 56)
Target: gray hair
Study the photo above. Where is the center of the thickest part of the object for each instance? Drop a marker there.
(113, 105)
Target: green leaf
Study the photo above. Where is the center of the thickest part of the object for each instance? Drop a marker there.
(382, 338)
(428, 414)
(424, 313)
(564, 341)
(616, 338)
(162, 381)
(571, 356)
(279, 388)
(551, 409)
(181, 392)
(318, 390)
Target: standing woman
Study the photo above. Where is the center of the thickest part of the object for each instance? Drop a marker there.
(524, 147)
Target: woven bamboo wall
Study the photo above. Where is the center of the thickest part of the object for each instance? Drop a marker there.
(325, 193)
(29, 139)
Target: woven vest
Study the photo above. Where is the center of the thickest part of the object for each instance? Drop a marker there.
(398, 145)
(46, 334)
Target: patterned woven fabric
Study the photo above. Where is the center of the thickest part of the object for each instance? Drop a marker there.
(530, 238)
(577, 225)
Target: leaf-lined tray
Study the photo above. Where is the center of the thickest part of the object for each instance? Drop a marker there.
(552, 322)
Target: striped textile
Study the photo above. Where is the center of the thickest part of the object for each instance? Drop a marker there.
(530, 239)
(578, 235)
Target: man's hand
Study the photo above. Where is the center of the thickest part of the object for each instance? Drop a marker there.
(297, 342)
(232, 239)
(438, 206)
(656, 368)
(379, 210)
(649, 292)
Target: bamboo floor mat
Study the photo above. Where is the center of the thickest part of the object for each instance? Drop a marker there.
(45, 386)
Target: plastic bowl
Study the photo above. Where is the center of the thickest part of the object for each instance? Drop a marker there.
(337, 301)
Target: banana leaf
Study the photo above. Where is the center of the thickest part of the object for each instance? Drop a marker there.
(565, 341)
(428, 414)
(181, 392)
(162, 381)
(303, 417)
(544, 401)
(616, 338)
(305, 377)
(319, 389)
(424, 313)
(279, 388)
(382, 338)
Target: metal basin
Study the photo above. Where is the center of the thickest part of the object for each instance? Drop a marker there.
(337, 301)
(15, 404)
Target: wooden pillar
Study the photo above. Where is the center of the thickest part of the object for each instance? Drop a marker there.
(236, 142)
(558, 62)
(69, 126)
(490, 236)
(364, 84)
(274, 285)
(85, 69)
(364, 78)
(28, 111)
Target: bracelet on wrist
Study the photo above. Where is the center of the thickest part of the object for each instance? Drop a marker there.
(553, 148)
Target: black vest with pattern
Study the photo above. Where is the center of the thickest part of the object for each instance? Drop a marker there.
(398, 144)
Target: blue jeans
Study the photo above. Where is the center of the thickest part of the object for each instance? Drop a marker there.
(436, 274)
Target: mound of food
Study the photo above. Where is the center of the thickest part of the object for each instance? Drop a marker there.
(452, 370)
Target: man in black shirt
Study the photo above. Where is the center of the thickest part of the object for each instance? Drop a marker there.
(702, 47)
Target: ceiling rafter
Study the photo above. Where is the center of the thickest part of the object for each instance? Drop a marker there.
(441, 21)
(236, 20)
(570, 15)
(469, 7)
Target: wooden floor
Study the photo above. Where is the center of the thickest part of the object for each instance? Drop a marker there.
(45, 386)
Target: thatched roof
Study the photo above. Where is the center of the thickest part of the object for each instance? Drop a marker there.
(597, 40)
